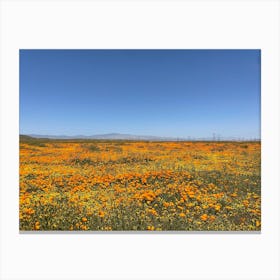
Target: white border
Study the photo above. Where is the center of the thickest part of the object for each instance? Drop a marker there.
(140, 24)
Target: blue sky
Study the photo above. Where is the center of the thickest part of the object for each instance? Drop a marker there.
(178, 93)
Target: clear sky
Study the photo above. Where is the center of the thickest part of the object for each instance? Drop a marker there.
(177, 93)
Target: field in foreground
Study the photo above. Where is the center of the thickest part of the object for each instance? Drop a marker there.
(123, 185)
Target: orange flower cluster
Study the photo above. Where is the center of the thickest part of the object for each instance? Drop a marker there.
(126, 185)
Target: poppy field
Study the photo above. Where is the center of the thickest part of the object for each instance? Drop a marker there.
(102, 185)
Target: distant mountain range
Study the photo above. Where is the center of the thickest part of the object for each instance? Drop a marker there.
(119, 136)
(110, 136)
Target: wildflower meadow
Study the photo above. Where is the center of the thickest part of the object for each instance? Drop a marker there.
(95, 185)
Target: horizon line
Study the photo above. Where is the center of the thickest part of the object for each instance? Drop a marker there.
(215, 136)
